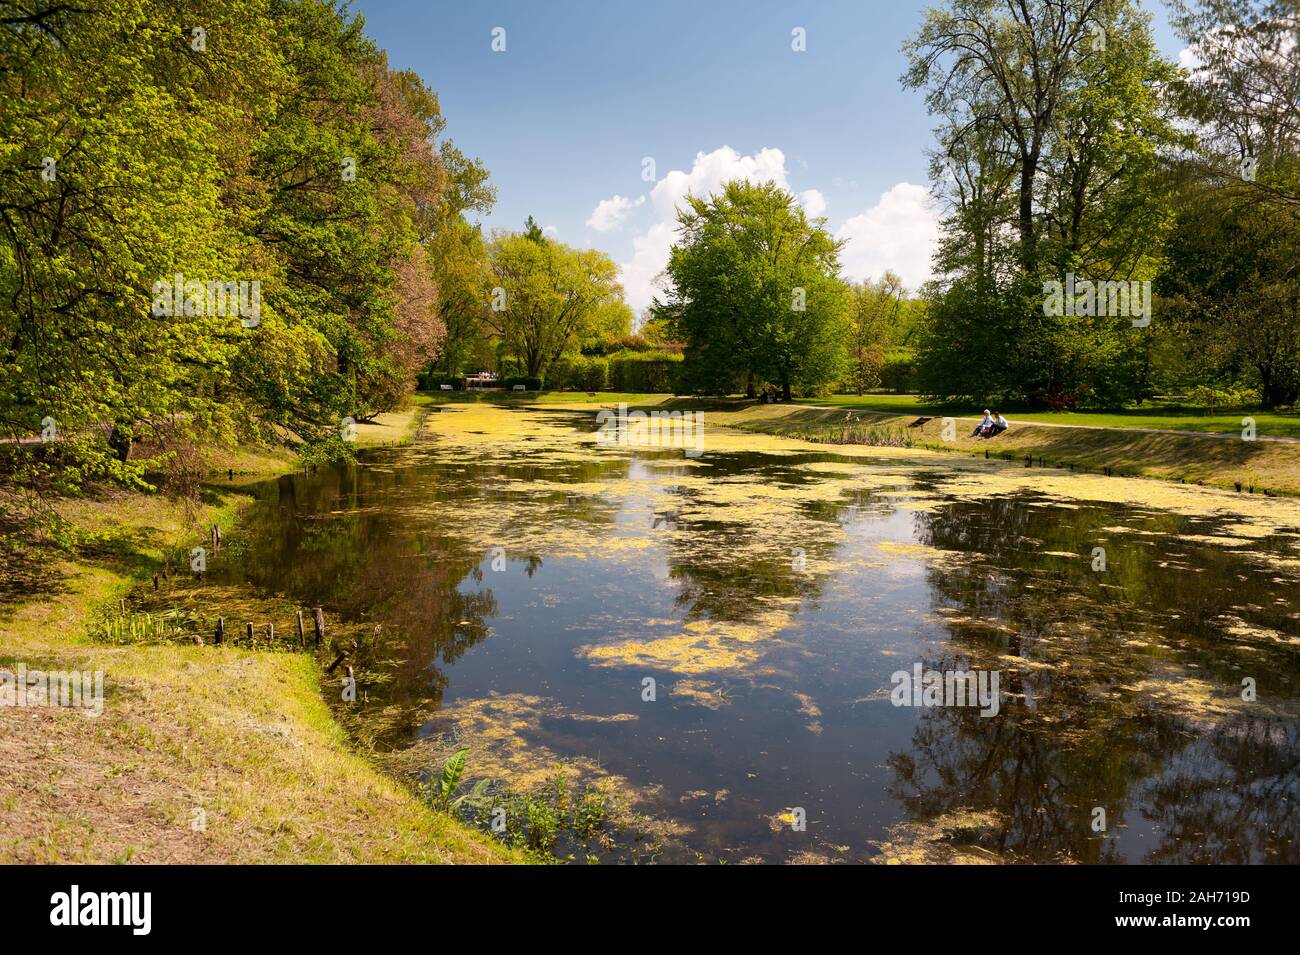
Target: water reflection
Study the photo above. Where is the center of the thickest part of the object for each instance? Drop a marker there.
(771, 595)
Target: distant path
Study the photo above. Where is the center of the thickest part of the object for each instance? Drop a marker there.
(1229, 436)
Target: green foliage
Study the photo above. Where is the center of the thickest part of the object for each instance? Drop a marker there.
(440, 792)
(755, 293)
(551, 297)
(1048, 163)
(898, 372)
(579, 373)
(644, 372)
(136, 152)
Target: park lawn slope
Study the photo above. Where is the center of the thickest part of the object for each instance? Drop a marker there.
(1266, 466)
(240, 740)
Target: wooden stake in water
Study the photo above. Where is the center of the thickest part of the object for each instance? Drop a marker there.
(221, 630)
(320, 625)
(250, 634)
(302, 636)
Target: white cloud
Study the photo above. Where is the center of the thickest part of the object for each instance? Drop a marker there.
(899, 232)
(813, 202)
(611, 212)
(707, 174)
(550, 230)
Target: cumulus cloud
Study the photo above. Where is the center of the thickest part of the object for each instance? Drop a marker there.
(612, 211)
(899, 233)
(813, 202)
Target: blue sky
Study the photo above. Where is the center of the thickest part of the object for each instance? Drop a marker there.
(585, 91)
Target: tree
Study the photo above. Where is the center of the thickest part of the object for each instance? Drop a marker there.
(1048, 164)
(1233, 280)
(1243, 91)
(755, 294)
(271, 152)
(874, 310)
(546, 296)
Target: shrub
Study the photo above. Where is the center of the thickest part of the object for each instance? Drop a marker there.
(530, 384)
(578, 373)
(897, 373)
(432, 381)
(645, 372)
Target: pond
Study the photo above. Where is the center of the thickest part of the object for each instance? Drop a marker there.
(717, 641)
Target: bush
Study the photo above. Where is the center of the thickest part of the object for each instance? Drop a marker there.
(578, 373)
(1211, 398)
(898, 372)
(432, 381)
(631, 343)
(530, 384)
(654, 372)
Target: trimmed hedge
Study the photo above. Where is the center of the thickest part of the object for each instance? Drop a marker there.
(578, 373)
(898, 372)
(644, 372)
(530, 384)
(431, 381)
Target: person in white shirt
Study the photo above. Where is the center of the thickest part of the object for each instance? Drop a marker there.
(999, 425)
(982, 429)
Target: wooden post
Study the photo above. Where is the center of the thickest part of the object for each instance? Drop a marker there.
(270, 632)
(250, 634)
(230, 473)
(302, 636)
(221, 630)
(320, 625)
(121, 604)
(155, 581)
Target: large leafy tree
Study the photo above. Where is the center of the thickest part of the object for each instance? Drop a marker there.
(546, 295)
(1233, 281)
(874, 311)
(1048, 162)
(1243, 92)
(260, 141)
(755, 293)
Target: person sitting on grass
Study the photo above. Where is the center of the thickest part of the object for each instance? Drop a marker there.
(982, 429)
(999, 425)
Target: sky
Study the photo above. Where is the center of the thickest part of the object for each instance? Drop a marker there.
(597, 118)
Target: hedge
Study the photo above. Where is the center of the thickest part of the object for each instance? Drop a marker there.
(644, 372)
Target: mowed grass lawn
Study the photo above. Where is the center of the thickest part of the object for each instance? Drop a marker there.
(1155, 416)
(1170, 417)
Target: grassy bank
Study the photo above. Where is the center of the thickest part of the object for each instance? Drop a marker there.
(1154, 416)
(202, 753)
(1265, 466)
(1119, 443)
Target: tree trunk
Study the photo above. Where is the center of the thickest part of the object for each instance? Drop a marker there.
(785, 390)
(1028, 253)
(749, 384)
(120, 441)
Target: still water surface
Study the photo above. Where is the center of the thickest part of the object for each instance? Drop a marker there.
(523, 584)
